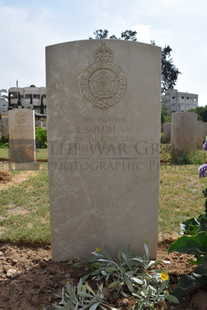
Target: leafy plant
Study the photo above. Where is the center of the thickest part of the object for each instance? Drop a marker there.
(126, 279)
(4, 142)
(194, 241)
(82, 297)
(41, 137)
(187, 158)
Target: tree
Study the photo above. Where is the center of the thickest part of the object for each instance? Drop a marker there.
(201, 112)
(169, 72)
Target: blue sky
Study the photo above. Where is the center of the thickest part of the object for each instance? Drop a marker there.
(28, 26)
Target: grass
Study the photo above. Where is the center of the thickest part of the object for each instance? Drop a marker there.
(24, 215)
(41, 153)
(180, 195)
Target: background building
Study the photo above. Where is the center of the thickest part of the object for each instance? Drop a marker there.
(175, 101)
(28, 97)
(3, 106)
(3, 102)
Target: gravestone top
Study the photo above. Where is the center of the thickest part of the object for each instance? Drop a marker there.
(22, 148)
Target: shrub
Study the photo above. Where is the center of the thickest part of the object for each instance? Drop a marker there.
(188, 158)
(4, 142)
(41, 137)
(125, 281)
(193, 241)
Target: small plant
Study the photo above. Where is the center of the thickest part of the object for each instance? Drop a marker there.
(81, 296)
(41, 137)
(127, 280)
(4, 142)
(194, 242)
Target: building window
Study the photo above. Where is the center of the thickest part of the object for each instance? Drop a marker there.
(36, 96)
(187, 98)
(173, 97)
(182, 97)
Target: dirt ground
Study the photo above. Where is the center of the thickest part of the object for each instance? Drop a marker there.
(29, 278)
(7, 179)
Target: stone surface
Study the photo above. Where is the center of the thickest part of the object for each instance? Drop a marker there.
(201, 133)
(184, 131)
(167, 132)
(104, 133)
(22, 149)
(4, 128)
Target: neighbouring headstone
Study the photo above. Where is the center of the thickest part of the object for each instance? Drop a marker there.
(166, 132)
(4, 128)
(184, 131)
(22, 149)
(201, 133)
(104, 133)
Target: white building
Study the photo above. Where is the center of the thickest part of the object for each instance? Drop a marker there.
(3, 105)
(28, 97)
(175, 101)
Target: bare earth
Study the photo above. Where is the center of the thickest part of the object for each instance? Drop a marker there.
(7, 180)
(29, 278)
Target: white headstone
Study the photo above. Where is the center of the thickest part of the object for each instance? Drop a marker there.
(104, 132)
(22, 149)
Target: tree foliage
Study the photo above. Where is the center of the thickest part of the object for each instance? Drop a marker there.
(201, 112)
(165, 115)
(169, 71)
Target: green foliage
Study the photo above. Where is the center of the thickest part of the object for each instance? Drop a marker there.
(81, 296)
(128, 35)
(187, 158)
(193, 242)
(165, 115)
(130, 277)
(201, 112)
(41, 137)
(169, 71)
(195, 245)
(4, 143)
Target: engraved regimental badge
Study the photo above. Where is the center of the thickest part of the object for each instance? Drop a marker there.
(103, 83)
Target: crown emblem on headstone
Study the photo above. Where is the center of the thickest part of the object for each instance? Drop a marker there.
(103, 83)
(104, 54)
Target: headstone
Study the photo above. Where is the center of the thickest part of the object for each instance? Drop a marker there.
(167, 132)
(201, 133)
(22, 149)
(4, 127)
(184, 131)
(104, 133)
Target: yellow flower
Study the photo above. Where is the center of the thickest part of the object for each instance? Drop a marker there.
(98, 250)
(164, 276)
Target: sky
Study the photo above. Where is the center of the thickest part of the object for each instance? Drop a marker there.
(26, 27)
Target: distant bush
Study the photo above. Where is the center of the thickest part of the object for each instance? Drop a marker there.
(193, 241)
(188, 158)
(41, 138)
(4, 142)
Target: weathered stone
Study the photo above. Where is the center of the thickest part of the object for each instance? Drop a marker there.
(22, 149)
(167, 132)
(201, 133)
(184, 131)
(4, 128)
(103, 133)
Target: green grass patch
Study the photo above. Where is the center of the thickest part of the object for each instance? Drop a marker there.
(24, 215)
(24, 208)
(41, 153)
(180, 195)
